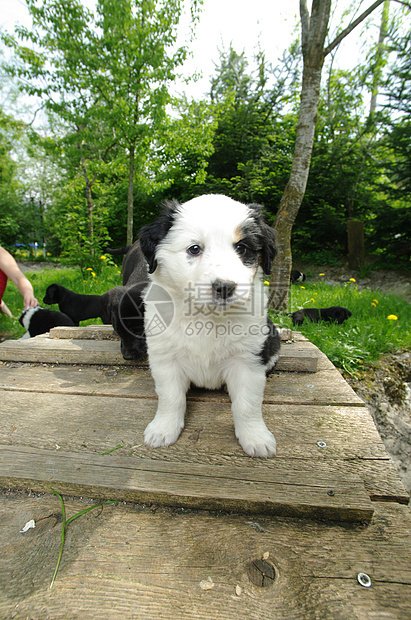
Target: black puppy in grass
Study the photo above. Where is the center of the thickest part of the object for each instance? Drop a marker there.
(334, 314)
(77, 307)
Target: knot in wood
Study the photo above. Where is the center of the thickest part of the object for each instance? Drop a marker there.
(261, 573)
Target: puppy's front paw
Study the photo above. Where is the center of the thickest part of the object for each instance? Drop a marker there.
(161, 433)
(257, 442)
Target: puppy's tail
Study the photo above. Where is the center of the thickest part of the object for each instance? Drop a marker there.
(117, 251)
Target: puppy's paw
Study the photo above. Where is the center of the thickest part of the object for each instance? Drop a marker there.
(257, 442)
(162, 433)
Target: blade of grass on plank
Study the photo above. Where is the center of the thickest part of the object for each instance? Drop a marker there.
(66, 522)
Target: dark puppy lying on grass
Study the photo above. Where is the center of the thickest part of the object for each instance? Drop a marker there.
(334, 314)
(296, 276)
(77, 307)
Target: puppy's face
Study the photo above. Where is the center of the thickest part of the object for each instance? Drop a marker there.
(51, 295)
(211, 250)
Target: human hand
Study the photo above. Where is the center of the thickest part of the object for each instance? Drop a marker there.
(30, 301)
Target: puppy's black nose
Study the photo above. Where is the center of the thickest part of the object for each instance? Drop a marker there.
(223, 289)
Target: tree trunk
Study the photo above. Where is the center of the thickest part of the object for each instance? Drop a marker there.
(356, 249)
(90, 210)
(379, 58)
(314, 30)
(130, 196)
(89, 197)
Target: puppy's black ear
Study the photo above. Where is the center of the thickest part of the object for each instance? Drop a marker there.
(51, 291)
(268, 250)
(266, 237)
(151, 235)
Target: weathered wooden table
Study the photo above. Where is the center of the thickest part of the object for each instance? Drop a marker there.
(201, 530)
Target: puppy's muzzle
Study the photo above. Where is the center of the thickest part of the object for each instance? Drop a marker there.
(223, 290)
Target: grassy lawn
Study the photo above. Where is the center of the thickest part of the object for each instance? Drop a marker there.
(89, 283)
(380, 323)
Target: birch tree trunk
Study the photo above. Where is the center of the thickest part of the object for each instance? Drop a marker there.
(130, 195)
(314, 30)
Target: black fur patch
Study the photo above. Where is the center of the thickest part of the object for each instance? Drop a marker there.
(271, 345)
(297, 276)
(336, 314)
(42, 320)
(151, 235)
(263, 234)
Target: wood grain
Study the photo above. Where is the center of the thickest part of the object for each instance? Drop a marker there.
(296, 357)
(145, 560)
(188, 485)
(133, 562)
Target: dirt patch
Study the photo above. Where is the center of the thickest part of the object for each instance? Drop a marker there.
(386, 389)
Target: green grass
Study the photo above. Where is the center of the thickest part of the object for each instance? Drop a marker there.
(65, 524)
(366, 335)
(88, 283)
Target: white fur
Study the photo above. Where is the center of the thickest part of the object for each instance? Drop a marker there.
(209, 343)
(28, 314)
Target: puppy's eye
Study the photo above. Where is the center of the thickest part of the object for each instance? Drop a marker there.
(241, 249)
(194, 250)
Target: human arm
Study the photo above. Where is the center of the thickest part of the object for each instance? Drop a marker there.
(9, 266)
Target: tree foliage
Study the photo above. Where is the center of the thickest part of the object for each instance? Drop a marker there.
(115, 137)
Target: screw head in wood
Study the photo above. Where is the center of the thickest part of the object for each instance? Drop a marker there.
(321, 444)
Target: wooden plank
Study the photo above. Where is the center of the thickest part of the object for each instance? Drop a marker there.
(90, 424)
(294, 356)
(106, 332)
(297, 388)
(101, 423)
(84, 332)
(184, 485)
(135, 562)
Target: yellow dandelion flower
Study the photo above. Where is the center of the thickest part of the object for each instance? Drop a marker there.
(302, 287)
(93, 274)
(374, 304)
(118, 271)
(352, 280)
(375, 301)
(103, 257)
(312, 300)
(266, 282)
(322, 274)
(89, 269)
(392, 317)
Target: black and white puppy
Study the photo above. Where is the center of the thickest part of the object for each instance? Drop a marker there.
(207, 257)
(77, 307)
(40, 320)
(333, 314)
(296, 276)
